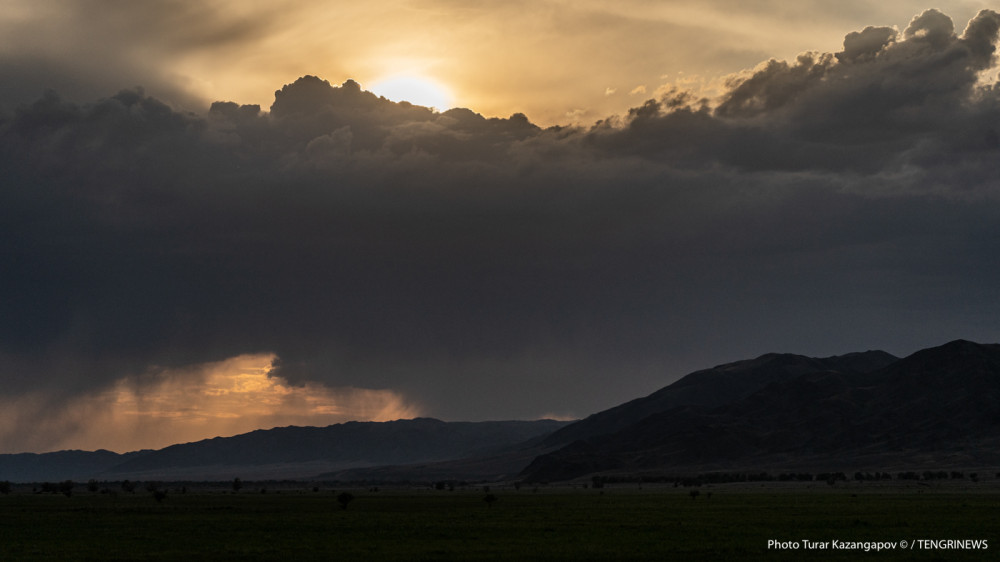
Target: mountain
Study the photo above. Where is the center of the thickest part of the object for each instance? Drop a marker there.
(60, 465)
(297, 452)
(939, 407)
(710, 387)
(285, 452)
(715, 387)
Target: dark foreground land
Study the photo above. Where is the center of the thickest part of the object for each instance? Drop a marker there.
(616, 523)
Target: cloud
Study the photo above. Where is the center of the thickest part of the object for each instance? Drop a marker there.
(488, 267)
(190, 53)
(865, 45)
(881, 104)
(228, 397)
(86, 49)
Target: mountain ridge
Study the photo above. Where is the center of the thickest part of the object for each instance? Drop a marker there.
(713, 387)
(936, 408)
(937, 402)
(284, 452)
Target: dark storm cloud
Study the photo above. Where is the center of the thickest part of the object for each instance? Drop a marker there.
(863, 109)
(865, 45)
(490, 268)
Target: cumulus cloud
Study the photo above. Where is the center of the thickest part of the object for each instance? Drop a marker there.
(488, 267)
(865, 45)
(878, 105)
(189, 53)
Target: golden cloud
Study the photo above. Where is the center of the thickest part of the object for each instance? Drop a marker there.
(228, 397)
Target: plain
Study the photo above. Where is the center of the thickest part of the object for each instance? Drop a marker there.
(302, 522)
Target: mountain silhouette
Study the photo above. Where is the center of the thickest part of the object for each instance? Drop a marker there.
(938, 407)
(285, 452)
(715, 387)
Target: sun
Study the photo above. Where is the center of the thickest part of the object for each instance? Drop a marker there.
(414, 89)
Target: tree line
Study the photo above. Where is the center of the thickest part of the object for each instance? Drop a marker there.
(829, 477)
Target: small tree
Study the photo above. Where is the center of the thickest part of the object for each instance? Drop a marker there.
(128, 486)
(5, 487)
(159, 496)
(695, 494)
(237, 484)
(66, 487)
(92, 485)
(490, 499)
(345, 498)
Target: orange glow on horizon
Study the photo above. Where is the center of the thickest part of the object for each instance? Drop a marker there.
(229, 397)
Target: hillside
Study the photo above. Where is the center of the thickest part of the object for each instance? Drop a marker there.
(60, 465)
(936, 408)
(715, 387)
(285, 452)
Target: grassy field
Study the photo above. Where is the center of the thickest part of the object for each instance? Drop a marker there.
(549, 524)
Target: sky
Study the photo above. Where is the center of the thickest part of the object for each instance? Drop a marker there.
(209, 223)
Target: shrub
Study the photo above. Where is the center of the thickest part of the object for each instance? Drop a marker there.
(345, 498)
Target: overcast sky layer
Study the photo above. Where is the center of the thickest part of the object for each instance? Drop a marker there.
(174, 271)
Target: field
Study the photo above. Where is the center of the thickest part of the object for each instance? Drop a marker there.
(626, 523)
